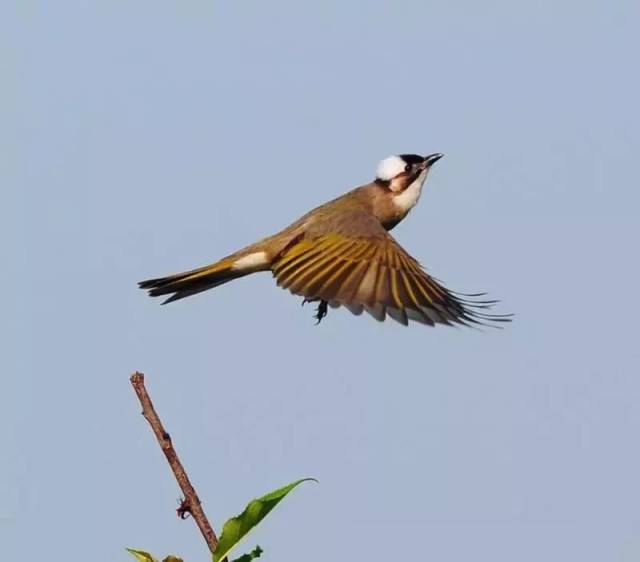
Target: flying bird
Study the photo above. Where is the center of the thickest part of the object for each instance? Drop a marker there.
(341, 254)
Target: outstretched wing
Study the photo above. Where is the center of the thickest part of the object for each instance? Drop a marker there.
(360, 266)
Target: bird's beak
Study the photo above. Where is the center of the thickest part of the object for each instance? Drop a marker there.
(431, 159)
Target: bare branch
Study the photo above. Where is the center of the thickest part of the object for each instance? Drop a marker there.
(191, 502)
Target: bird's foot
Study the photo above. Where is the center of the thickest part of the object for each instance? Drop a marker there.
(321, 311)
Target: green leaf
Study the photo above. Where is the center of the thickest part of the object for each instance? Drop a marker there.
(236, 528)
(255, 553)
(141, 556)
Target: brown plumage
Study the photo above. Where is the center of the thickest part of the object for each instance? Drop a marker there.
(341, 253)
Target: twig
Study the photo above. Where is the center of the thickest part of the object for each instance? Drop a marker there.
(191, 503)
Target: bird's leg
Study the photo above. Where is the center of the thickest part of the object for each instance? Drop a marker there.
(321, 311)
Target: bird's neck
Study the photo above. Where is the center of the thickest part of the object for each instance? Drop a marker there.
(407, 199)
(391, 207)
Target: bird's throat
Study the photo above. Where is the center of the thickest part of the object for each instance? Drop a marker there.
(407, 199)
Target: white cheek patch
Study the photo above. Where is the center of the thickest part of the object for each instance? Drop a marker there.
(390, 167)
(409, 197)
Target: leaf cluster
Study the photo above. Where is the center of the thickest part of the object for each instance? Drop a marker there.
(236, 528)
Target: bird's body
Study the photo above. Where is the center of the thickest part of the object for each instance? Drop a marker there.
(342, 254)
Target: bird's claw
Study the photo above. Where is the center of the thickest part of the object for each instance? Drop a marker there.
(321, 311)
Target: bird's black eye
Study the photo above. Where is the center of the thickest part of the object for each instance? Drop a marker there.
(407, 168)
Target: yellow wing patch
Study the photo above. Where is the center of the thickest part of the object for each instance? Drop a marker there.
(374, 274)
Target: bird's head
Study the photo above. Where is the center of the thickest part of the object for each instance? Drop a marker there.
(397, 173)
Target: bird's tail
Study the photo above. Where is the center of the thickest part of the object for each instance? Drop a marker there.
(187, 283)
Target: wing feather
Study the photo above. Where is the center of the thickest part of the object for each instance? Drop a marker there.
(364, 268)
(298, 275)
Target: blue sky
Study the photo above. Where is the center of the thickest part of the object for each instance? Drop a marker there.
(143, 138)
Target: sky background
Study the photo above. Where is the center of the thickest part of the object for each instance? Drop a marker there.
(141, 138)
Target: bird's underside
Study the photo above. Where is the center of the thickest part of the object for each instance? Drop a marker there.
(357, 265)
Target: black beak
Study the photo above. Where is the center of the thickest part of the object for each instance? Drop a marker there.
(431, 159)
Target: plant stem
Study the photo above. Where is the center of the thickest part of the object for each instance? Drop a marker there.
(191, 504)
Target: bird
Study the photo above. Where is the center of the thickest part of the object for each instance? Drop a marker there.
(341, 254)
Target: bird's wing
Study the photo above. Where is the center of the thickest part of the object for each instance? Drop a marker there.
(360, 266)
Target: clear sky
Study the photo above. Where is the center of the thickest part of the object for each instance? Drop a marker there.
(142, 138)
